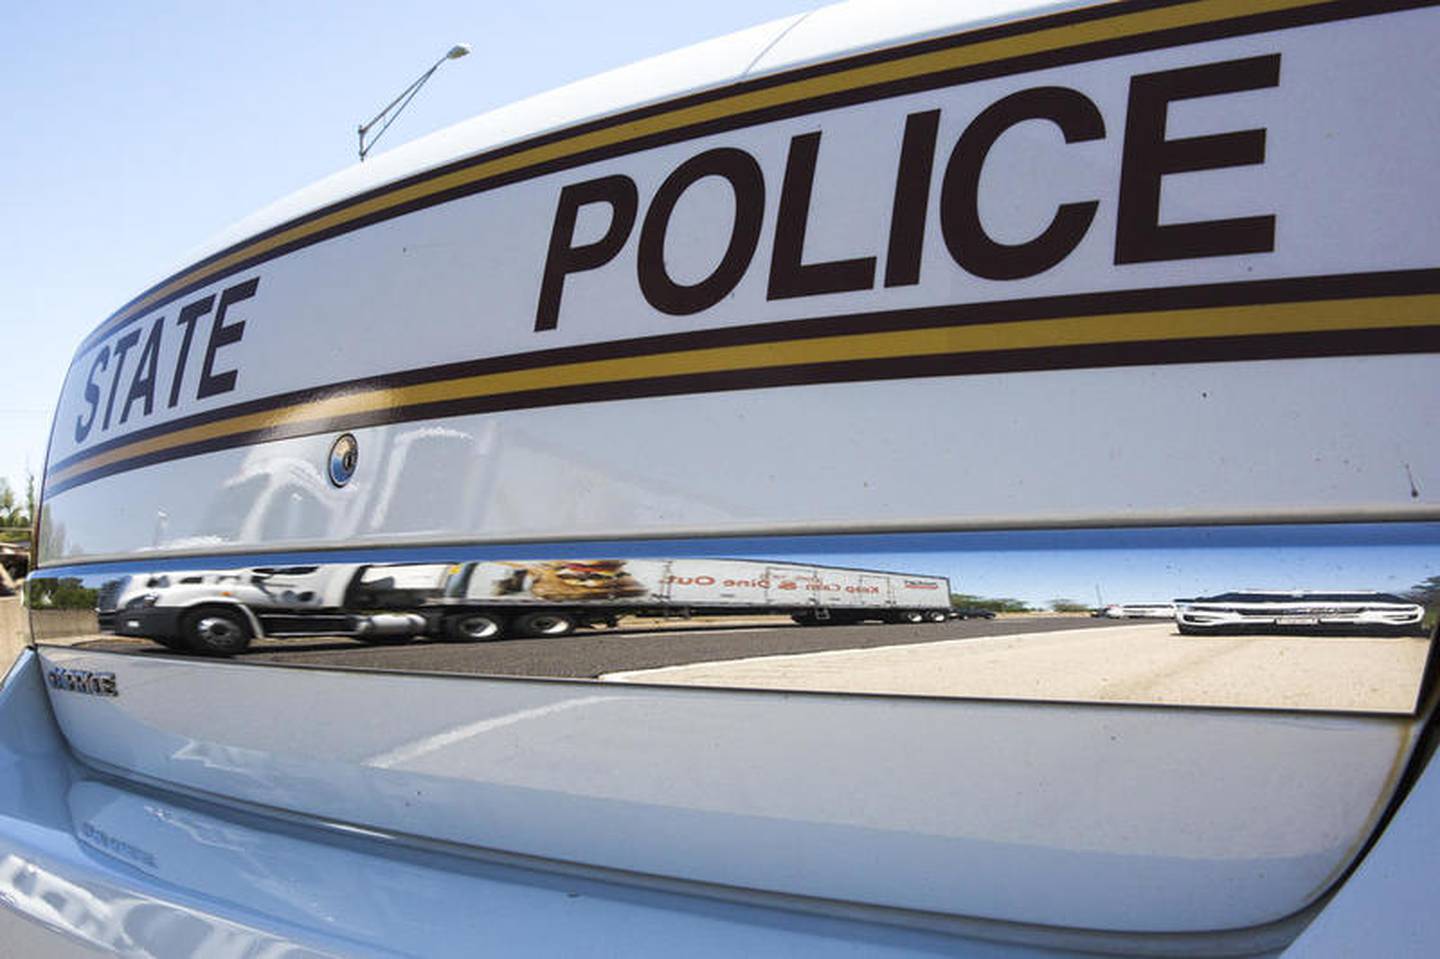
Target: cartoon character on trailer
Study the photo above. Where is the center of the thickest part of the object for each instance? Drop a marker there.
(566, 580)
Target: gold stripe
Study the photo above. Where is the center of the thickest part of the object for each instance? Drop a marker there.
(1039, 41)
(1158, 325)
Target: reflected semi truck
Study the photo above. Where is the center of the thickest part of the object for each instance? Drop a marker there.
(220, 611)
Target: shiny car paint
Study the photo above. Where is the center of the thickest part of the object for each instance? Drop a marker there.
(220, 806)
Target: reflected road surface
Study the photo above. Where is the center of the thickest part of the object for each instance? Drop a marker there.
(1032, 658)
(637, 644)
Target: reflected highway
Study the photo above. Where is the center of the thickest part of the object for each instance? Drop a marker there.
(636, 644)
(1032, 658)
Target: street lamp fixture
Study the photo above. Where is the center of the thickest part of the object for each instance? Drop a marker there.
(398, 104)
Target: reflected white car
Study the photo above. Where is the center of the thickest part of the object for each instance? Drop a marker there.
(1304, 610)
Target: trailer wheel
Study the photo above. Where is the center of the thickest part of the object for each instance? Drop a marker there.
(544, 624)
(936, 616)
(474, 627)
(215, 631)
(912, 616)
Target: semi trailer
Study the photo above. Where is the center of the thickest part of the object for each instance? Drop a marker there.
(218, 612)
(483, 600)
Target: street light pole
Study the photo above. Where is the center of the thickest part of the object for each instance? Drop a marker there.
(398, 105)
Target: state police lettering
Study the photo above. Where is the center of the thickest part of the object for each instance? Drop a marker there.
(1148, 156)
(112, 362)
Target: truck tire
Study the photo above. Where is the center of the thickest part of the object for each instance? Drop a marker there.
(912, 616)
(936, 616)
(474, 627)
(215, 631)
(544, 624)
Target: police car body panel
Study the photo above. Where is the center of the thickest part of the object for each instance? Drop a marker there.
(785, 283)
(1219, 235)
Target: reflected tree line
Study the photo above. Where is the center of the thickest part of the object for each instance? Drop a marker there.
(16, 515)
(17, 511)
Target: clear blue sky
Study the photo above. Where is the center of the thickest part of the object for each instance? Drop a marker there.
(1145, 565)
(1160, 575)
(134, 131)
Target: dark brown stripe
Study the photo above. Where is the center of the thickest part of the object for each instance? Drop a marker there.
(1204, 350)
(1255, 23)
(1249, 293)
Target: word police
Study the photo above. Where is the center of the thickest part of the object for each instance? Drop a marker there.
(107, 403)
(1147, 158)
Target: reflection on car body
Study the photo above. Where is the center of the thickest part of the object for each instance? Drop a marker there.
(722, 622)
(1299, 611)
(1137, 611)
(847, 295)
(218, 612)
